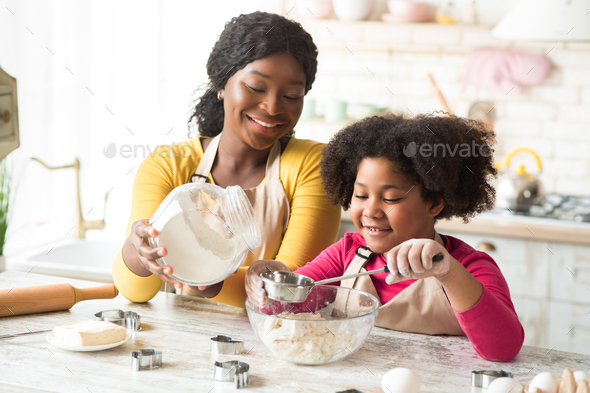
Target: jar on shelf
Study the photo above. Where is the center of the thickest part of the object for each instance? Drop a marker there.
(446, 12)
(207, 231)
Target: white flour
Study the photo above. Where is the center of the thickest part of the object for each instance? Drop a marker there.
(305, 341)
(199, 248)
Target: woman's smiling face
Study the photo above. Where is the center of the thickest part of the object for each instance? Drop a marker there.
(263, 101)
(387, 208)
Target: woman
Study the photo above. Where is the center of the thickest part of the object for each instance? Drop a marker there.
(260, 69)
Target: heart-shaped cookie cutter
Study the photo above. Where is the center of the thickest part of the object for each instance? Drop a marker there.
(128, 319)
(146, 359)
(224, 345)
(233, 370)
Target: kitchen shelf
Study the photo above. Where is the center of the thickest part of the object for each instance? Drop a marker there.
(414, 25)
(378, 36)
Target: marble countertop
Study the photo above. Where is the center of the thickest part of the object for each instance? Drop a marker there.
(181, 327)
(521, 227)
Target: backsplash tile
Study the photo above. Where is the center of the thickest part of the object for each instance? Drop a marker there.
(387, 65)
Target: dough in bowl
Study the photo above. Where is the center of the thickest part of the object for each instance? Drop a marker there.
(305, 338)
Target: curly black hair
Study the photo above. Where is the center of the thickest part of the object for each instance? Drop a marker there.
(449, 157)
(244, 39)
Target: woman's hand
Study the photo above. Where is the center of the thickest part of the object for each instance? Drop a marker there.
(140, 258)
(203, 291)
(255, 285)
(413, 260)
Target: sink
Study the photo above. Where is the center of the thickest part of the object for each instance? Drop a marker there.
(86, 259)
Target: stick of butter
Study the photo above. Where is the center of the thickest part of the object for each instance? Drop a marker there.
(88, 333)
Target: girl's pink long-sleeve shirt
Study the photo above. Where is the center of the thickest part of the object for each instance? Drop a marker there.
(491, 324)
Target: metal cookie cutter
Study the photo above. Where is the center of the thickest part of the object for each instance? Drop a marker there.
(224, 345)
(128, 319)
(145, 359)
(233, 371)
(483, 378)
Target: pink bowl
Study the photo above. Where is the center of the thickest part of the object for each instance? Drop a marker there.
(411, 10)
(315, 9)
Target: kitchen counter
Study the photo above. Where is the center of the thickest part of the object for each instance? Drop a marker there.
(515, 226)
(181, 327)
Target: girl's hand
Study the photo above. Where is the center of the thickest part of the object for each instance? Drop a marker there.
(141, 258)
(255, 285)
(413, 260)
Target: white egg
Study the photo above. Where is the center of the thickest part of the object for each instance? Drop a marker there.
(581, 375)
(545, 382)
(400, 380)
(505, 385)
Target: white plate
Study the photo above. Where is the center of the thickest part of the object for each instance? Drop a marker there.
(92, 347)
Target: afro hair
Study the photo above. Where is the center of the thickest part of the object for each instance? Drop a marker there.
(449, 157)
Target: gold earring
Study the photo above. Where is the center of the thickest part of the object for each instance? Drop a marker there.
(219, 95)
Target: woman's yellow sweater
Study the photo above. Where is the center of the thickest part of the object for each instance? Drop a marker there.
(313, 223)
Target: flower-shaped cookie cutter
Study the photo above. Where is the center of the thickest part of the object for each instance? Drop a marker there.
(233, 370)
(146, 359)
(128, 319)
(224, 345)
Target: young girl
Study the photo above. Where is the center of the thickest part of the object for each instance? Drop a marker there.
(398, 176)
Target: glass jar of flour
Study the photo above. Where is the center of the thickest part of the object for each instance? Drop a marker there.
(207, 231)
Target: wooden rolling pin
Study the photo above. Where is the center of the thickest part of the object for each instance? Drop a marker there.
(45, 298)
(438, 95)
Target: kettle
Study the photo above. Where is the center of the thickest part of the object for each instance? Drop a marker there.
(518, 190)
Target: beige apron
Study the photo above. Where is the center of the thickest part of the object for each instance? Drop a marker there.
(269, 201)
(422, 307)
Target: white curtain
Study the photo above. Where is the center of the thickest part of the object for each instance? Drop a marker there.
(94, 73)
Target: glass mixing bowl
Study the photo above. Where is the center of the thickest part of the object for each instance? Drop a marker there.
(329, 326)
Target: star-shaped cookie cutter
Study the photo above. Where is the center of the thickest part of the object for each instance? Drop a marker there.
(146, 359)
(128, 319)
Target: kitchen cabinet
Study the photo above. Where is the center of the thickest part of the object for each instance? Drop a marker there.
(532, 316)
(569, 306)
(548, 283)
(570, 273)
(569, 327)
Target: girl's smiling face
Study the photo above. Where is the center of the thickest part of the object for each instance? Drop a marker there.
(387, 208)
(263, 101)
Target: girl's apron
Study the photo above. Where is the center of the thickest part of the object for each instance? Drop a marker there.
(422, 307)
(269, 201)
